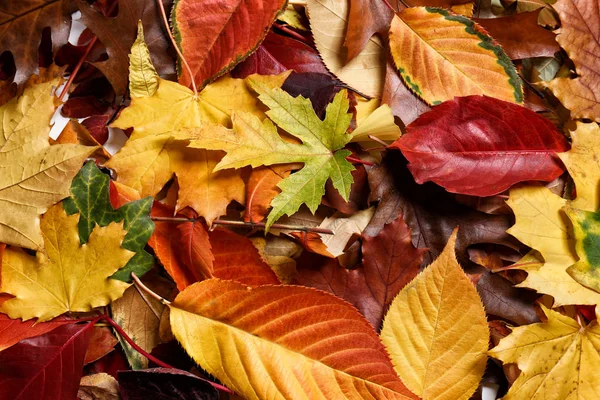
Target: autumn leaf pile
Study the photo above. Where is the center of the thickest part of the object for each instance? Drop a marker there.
(320, 199)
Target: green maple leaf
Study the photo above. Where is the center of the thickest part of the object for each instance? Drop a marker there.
(91, 199)
(256, 143)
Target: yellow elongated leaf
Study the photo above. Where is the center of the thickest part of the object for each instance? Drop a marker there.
(436, 331)
(365, 72)
(541, 224)
(558, 359)
(584, 165)
(143, 79)
(283, 342)
(69, 276)
(441, 55)
(34, 174)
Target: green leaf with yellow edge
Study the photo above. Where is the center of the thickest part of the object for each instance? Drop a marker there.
(68, 276)
(35, 175)
(436, 331)
(559, 359)
(152, 155)
(256, 143)
(586, 226)
(441, 55)
(283, 342)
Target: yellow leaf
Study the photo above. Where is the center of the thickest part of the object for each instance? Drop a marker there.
(34, 174)
(436, 331)
(366, 72)
(578, 35)
(379, 123)
(464, 9)
(69, 277)
(293, 18)
(559, 359)
(283, 342)
(152, 154)
(441, 55)
(541, 224)
(143, 79)
(584, 165)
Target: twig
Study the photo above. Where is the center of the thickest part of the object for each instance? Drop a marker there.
(145, 299)
(297, 2)
(146, 289)
(293, 34)
(359, 161)
(251, 225)
(514, 266)
(179, 53)
(376, 139)
(389, 5)
(78, 67)
(535, 90)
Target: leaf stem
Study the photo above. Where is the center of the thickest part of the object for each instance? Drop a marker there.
(179, 53)
(535, 90)
(247, 224)
(359, 161)
(514, 266)
(376, 139)
(78, 67)
(389, 5)
(140, 285)
(297, 2)
(293, 34)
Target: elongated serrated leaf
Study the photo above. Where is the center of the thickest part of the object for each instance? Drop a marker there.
(436, 331)
(256, 143)
(441, 55)
(90, 198)
(143, 79)
(283, 342)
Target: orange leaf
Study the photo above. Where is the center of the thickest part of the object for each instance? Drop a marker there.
(283, 342)
(262, 188)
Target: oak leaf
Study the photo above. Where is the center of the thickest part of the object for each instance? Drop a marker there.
(440, 351)
(579, 37)
(22, 25)
(214, 37)
(35, 175)
(558, 359)
(328, 22)
(152, 155)
(68, 276)
(465, 59)
(283, 342)
(257, 143)
(467, 146)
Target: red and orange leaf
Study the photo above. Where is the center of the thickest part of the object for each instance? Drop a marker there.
(215, 36)
(262, 188)
(283, 342)
(12, 331)
(481, 146)
(102, 342)
(237, 259)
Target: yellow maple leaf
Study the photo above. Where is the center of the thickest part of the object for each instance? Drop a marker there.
(542, 224)
(440, 351)
(158, 110)
(558, 359)
(69, 276)
(35, 175)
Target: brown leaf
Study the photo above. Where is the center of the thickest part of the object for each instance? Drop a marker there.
(430, 212)
(118, 34)
(520, 35)
(21, 25)
(102, 342)
(404, 103)
(366, 18)
(98, 387)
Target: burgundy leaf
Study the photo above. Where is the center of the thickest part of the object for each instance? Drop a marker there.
(46, 367)
(481, 146)
(164, 384)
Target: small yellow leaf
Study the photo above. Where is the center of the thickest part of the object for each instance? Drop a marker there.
(143, 79)
(583, 164)
(436, 331)
(378, 123)
(559, 359)
(69, 276)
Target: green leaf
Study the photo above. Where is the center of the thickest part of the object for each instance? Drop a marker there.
(586, 226)
(90, 198)
(255, 143)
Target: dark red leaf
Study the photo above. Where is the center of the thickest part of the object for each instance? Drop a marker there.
(45, 367)
(96, 125)
(319, 88)
(481, 146)
(164, 384)
(12, 331)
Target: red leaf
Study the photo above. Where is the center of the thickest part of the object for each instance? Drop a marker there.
(520, 35)
(237, 259)
(481, 146)
(12, 331)
(215, 36)
(45, 367)
(102, 342)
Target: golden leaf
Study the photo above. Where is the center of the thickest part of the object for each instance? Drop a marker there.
(558, 359)
(69, 276)
(439, 351)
